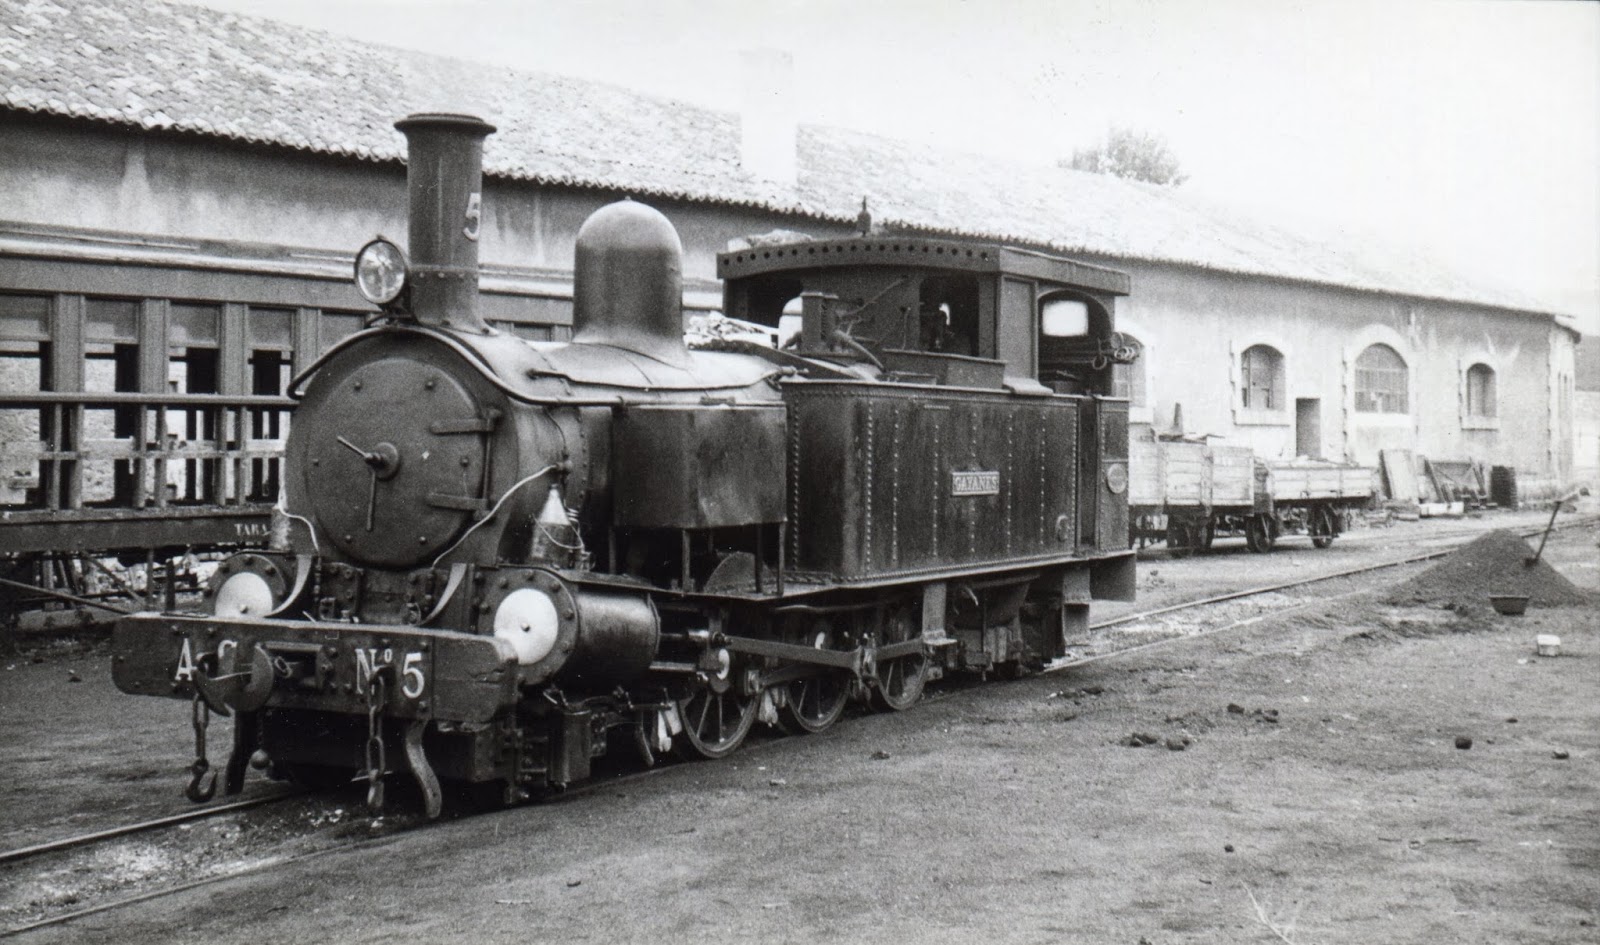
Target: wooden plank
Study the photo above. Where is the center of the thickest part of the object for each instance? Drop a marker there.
(1232, 475)
(1399, 474)
(1144, 471)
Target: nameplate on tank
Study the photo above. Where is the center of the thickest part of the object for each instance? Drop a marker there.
(975, 482)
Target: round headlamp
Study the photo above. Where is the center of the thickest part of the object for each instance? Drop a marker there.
(380, 271)
(245, 594)
(251, 585)
(527, 620)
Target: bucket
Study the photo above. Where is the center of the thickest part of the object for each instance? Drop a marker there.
(1512, 605)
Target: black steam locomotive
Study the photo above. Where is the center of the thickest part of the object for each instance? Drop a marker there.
(504, 556)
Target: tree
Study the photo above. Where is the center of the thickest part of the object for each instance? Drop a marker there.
(1133, 154)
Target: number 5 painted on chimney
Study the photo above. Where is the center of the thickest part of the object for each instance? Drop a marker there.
(474, 216)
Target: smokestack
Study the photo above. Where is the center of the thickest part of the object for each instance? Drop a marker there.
(444, 182)
(767, 123)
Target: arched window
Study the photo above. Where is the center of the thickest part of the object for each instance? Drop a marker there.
(1480, 391)
(1127, 380)
(1381, 381)
(1261, 378)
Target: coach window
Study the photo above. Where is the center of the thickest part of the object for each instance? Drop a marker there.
(1261, 378)
(24, 343)
(1480, 392)
(271, 358)
(110, 366)
(1382, 380)
(193, 367)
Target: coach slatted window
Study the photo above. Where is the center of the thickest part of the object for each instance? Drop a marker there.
(1382, 381)
(1261, 378)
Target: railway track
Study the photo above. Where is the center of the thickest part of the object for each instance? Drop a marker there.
(1456, 539)
(143, 826)
(1231, 622)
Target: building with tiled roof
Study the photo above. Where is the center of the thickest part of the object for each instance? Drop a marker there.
(161, 150)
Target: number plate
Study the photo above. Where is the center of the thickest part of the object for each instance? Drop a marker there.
(327, 667)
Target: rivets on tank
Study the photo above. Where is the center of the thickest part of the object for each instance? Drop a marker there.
(349, 537)
(430, 383)
(422, 539)
(356, 385)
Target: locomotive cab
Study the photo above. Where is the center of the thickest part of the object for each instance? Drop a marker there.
(944, 311)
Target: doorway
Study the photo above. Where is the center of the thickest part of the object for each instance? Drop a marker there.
(1308, 427)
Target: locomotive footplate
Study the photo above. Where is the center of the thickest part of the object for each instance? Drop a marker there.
(425, 674)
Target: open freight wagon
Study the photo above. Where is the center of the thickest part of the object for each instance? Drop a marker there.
(1188, 491)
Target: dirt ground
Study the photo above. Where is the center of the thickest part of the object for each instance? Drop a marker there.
(1335, 806)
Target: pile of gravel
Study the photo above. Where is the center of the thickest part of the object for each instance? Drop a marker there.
(1495, 563)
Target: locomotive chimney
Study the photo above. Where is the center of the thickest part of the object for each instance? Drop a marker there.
(627, 282)
(444, 182)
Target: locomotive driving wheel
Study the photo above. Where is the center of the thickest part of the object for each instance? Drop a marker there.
(813, 703)
(717, 716)
(901, 679)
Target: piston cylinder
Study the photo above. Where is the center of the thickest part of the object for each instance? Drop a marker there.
(618, 636)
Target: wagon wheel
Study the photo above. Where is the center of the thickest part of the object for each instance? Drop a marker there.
(1180, 539)
(1258, 534)
(815, 702)
(1321, 527)
(902, 679)
(716, 722)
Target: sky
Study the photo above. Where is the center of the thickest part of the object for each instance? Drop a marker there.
(1469, 129)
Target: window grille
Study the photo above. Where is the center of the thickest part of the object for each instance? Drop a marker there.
(1382, 379)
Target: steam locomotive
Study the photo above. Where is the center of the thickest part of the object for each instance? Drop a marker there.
(505, 558)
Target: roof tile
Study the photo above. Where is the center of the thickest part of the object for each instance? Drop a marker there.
(218, 74)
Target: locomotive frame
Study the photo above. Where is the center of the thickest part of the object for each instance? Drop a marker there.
(501, 553)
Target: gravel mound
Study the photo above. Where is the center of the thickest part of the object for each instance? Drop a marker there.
(1494, 563)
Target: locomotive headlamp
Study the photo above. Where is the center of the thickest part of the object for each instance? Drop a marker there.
(245, 594)
(527, 620)
(254, 585)
(380, 271)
